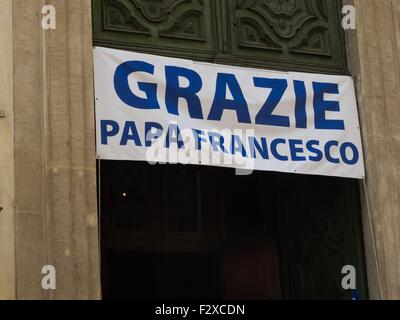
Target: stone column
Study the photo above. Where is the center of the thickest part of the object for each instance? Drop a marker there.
(374, 59)
(7, 227)
(55, 168)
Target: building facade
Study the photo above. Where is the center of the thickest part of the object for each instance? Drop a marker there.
(56, 201)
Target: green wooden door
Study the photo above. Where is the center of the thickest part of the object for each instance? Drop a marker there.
(286, 34)
(318, 234)
(180, 28)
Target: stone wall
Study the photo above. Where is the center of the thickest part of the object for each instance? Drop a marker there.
(374, 59)
(55, 168)
(7, 227)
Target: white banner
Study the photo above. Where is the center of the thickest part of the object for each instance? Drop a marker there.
(167, 110)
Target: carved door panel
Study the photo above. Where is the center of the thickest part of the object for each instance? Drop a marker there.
(284, 34)
(287, 34)
(183, 28)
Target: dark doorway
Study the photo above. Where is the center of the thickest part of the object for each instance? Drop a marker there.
(187, 232)
(197, 232)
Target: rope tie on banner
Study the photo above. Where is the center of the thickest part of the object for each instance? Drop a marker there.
(372, 231)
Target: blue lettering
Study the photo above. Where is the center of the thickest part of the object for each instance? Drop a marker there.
(356, 155)
(274, 149)
(318, 155)
(295, 150)
(300, 108)
(174, 92)
(109, 128)
(217, 141)
(125, 93)
(237, 146)
(220, 103)
(174, 135)
(321, 106)
(265, 115)
(261, 149)
(198, 138)
(328, 147)
(130, 133)
(150, 135)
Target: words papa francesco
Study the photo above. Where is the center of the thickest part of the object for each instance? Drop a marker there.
(303, 122)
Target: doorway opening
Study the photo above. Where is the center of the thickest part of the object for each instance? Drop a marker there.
(198, 232)
(186, 232)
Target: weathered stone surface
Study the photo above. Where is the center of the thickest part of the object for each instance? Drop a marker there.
(56, 220)
(7, 228)
(374, 58)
